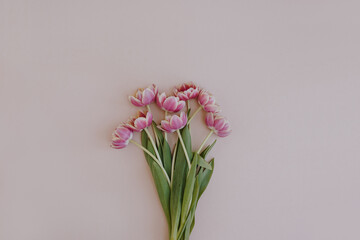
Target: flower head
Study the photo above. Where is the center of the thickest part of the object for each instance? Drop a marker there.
(218, 124)
(140, 121)
(121, 137)
(170, 104)
(187, 91)
(173, 123)
(207, 101)
(144, 97)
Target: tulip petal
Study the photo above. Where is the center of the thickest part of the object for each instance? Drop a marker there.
(140, 123)
(131, 127)
(165, 125)
(211, 100)
(123, 133)
(138, 94)
(219, 123)
(209, 119)
(160, 99)
(183, 117)
(203, 98)
(211, 108)
(147, 96)
(225, 127)
(182, 96)
(149, 118)
(170, 104)
(176, 122)
(224, 133)
(136, 102)
(180, 106)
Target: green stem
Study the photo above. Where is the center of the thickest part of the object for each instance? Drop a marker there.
(173, 164)
(205, 140)
(184, 148)
(153, 157)
(153, 128)
(153, 143)
(165, 133)
(197, 110)
(187, 105)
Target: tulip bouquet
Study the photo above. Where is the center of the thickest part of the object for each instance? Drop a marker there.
(181, 175)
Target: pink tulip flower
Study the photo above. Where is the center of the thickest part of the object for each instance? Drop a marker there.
(207, 101)
(144, 97)
(121, 137)
(218, 124)
(170, 104)
(187, 91)
(141, 121)
(173, 123)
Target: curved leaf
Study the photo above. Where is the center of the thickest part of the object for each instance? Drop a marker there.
(178, 184)
(204, 178)
(158, 132)
(166, 153)
(207, 150)
(163, 189)
(189, 187)
(204, 164)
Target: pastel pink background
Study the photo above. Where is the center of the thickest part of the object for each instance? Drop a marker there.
(286, 74)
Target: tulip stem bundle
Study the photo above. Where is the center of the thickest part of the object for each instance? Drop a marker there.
(153, 127)
(153, 157)
(180, 174)
(152, 142)
(173, 165)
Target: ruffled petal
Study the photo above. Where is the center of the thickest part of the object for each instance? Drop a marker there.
(138, 94)
(149, 118)
(165, 125)
(131, 127)
(176, 122)
(211, 108)
(211, 100)
(183, 117)
(148, 96)
(209, 119)
(219, 123)
(136, 102)
(160, 99)
(180, 106)
(224, 133)
(123, 133)
(170, 104)
(140, 123)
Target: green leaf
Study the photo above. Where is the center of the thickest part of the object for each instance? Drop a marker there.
(163, 189)
(185, 134)
(191, 214)
(151, 149)
(189, 187)
(192, 224)
(144, 143)
(177, 189)
(207, 150)
(158, 132)
(160, 180)
(204, 178)
(204, 164)
(166, 152)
